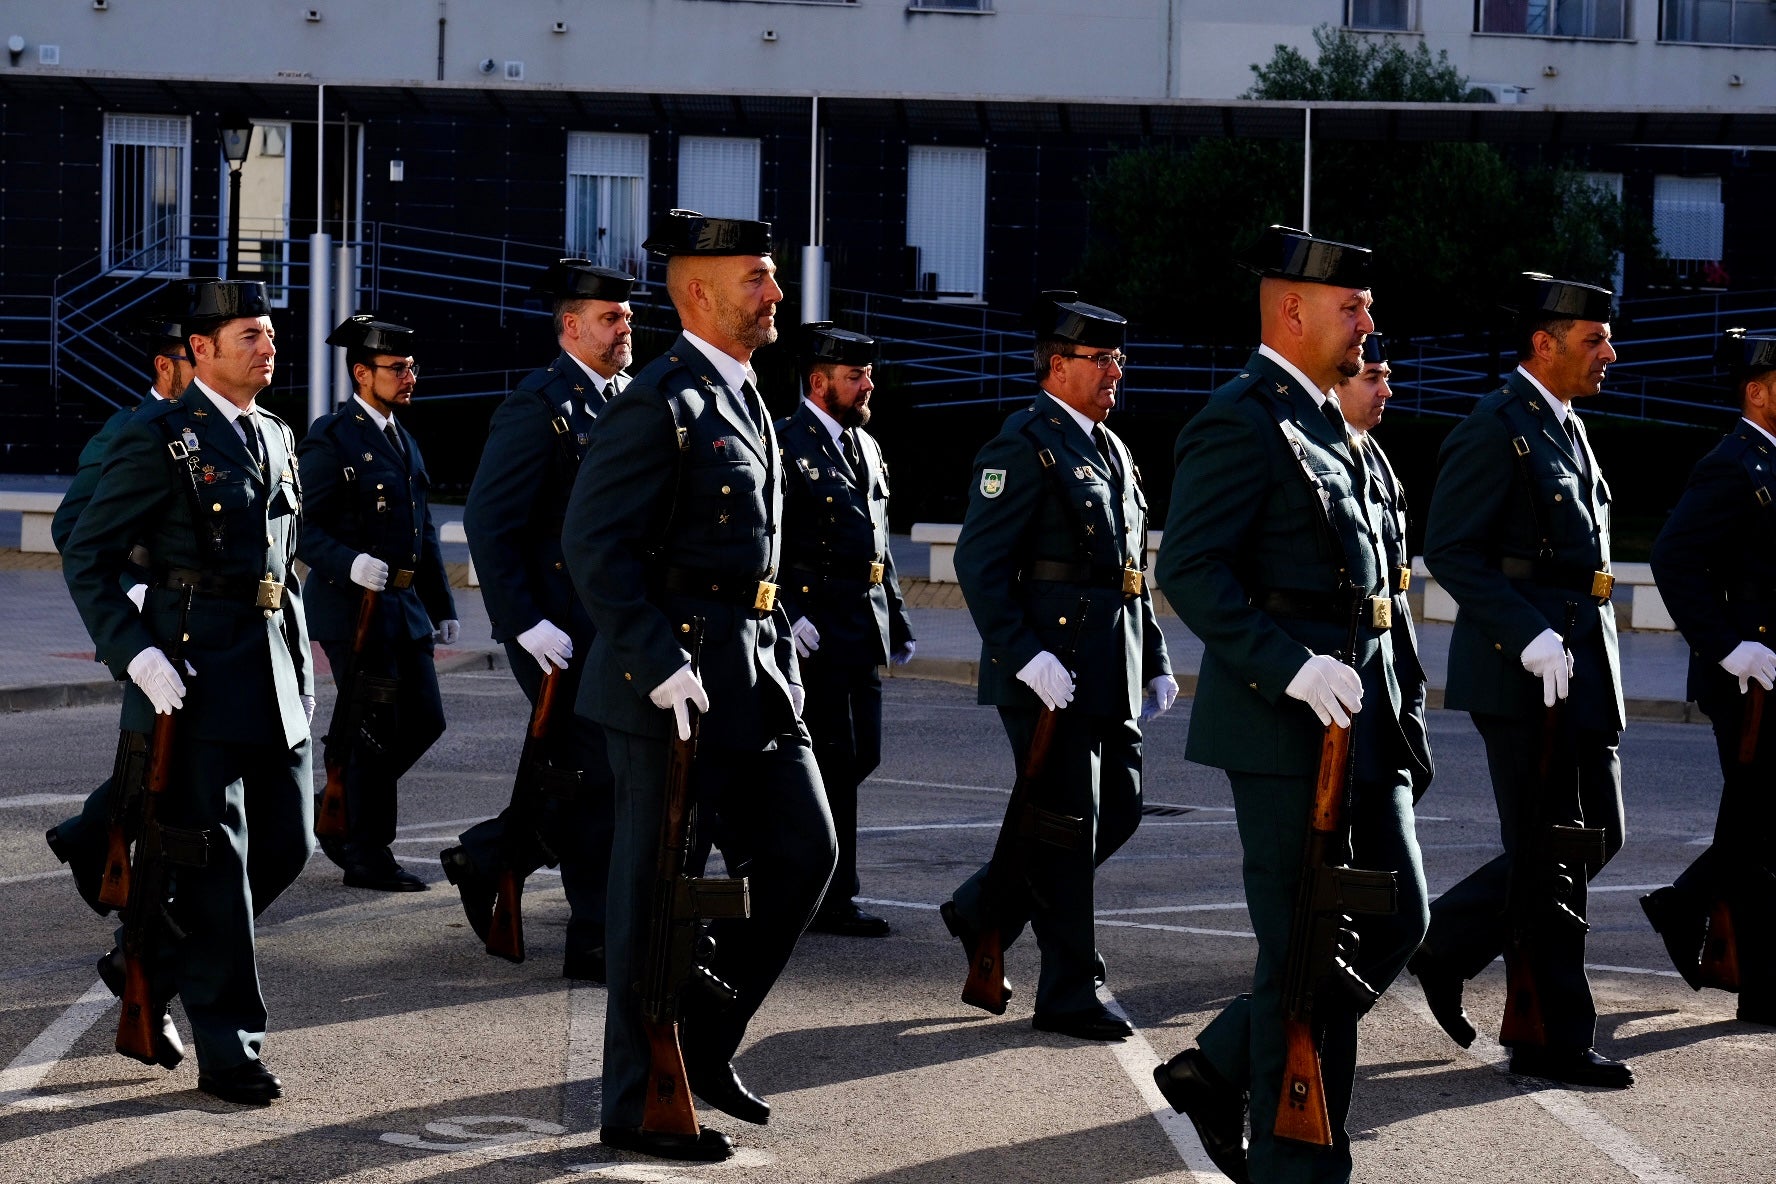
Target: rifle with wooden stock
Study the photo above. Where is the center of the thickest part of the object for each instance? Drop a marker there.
(677, 950)
(1007, 888)
(1548, 870)
(158, 848)
(123, 816)
(1720, 949)
(1322, 945)
(538, 778)
(360, 695)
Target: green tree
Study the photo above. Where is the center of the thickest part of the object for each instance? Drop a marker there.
(1451, 223)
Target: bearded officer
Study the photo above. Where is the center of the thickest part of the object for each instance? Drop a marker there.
(676, 515)
(1056, 517)
(370, 529)
(1519, 535)
(516, 505)
(1274, 539)
(839, 587)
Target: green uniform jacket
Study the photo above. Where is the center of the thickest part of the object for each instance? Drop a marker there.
(86, 475)
(1243, 522)
(252, 665)
(1489, 504)
(1409, 668)
(1042, 493)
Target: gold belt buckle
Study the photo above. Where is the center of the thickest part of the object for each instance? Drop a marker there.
(1402, 577)
(270, 595)
(1134, 581)
(878, 571)
(401, 577)
(1602, 584)
(1381, 612)
(766, 598)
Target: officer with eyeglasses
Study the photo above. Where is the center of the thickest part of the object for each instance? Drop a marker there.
(370, 527)
(1057, 523)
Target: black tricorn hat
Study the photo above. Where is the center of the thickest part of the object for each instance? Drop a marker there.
(225, 300)
(1059, 315)
(581, 279)
(161, 324)
(686, 232)
(1375, 350)
(1743, 353)
(379, 337)
(1282, 252)
(822, 343)
(1541, 297)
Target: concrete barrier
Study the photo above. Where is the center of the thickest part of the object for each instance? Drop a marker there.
(1637, 600)
(942, 536)
(453, 532)
(36, 511)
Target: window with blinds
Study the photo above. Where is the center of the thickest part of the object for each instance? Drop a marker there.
(145, 189)
(947, 219)
(607, 198)
(718, 176)
(1689, 217)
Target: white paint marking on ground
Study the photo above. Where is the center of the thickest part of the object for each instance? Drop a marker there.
(432, 861)
(1174, 908)
(652, 1171)
(1632, 970)
(877, 830)
(28, 877)
(1622, 887)
(32, 1065)
(1137, 1059)
(1006, 791)
(1178, 928)
(1566, 1108)
(583, 1092)
(898, 904)
(40, 799)
(442, 824)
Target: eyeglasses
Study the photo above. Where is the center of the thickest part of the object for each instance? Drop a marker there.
(177, 358)
(1102, 361)
(400, 369)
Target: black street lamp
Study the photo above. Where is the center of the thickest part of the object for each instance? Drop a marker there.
(237, 138)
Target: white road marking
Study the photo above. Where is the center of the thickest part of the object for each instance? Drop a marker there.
(28, 877)
(1632, 970)
(32, 1065)
(1175, 908)
(654, 1172)
(1137, 1058)
(1566, 1108)
(40, 799)
(1179, 929)
(1006, 791)
(522, 1130)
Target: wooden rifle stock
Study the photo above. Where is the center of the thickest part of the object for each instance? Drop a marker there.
(1720, 949)
(139, 1022)
(129, 775)
(505, 933)
(114, 884)
(330, 815)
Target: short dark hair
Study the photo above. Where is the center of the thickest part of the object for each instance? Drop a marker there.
(207, 329)
(1047, 348)
(830, 369)
(356, 356)
(567, 304)
(1526, 335)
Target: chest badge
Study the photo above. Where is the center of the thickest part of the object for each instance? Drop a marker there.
(209, 474)
(189, 439)
(368, 458)
(992, 482)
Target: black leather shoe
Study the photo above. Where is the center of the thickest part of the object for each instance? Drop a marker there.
(1196, 1089)
(706, 1147)
(1573, 1066)
(380, 873)
(87, 873)
(249, 1083)
(169, 1050)
(1758, 1011)
(721, 1087)
(586, 966)
(476, 891)
(962, 932)
(1095, 1024)
(1443, 991)
(848, 920)
(1681, 929)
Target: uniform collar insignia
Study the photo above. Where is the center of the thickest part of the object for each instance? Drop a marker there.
(199, 413)
(1534, 406)
(1282, 388)
(578, 389)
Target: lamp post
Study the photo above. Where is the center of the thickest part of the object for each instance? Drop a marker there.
(237, 138)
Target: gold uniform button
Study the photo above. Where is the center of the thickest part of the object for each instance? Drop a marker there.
(726, 490)
(1063, 620)
(804, 587)
(1498, 647)
(1088, 503)
(829, 501)
(1253, 685)
(217, 508)
(379, 485)
(1763, 628)
(685, 628)
(559, 565)
(1559, 498)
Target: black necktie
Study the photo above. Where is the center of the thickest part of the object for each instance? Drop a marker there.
(249, 424)
(1335, 417)
(1572, 433)
(854, 458)
(394, 438)
(755, 406)
(1102, 439)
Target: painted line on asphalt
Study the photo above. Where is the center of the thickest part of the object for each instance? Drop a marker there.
(1566, 1108)
(432, 861)
(40, 799)
(1137, 1058)
(1179, 929)
(1173, 908)
(27, 877)
(1631, 970)
(20, 1079)
(1004, 791)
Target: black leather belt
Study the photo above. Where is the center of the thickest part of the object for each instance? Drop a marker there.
(868, 571)
(247, 591)
(748, 592)
(1130, 581)
(1332, 607)
(1567, 577)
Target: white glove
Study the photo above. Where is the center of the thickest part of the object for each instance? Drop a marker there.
(797, 697)
(370, 572)
(1750, 660)
(1162, 692)
(447, 632)
(807, 638)
(682, 688)
(1547, 660)
(308, 707)
(1328, 686)
(151, 671)
(547, 644)
(904, 654)
(1045, 675)
(138, 595)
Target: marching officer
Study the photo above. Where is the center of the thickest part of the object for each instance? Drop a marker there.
(1519, 534)
(79, 842)
(370, 528)
(676, 515)
(207, 484)
(1275, 542)
(839, 588)
(1056, 523)
(516, 505)
(1715, 563)
(1363, 399)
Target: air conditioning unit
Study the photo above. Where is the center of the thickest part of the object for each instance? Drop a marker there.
(1497, 92)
